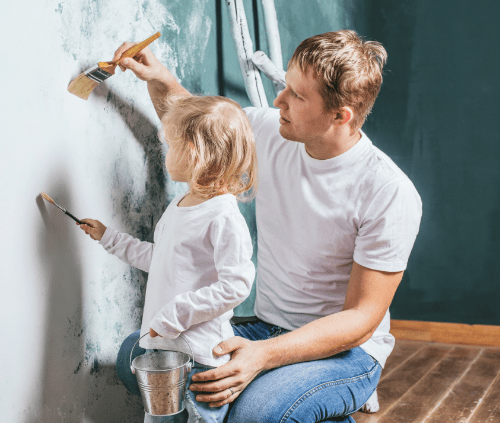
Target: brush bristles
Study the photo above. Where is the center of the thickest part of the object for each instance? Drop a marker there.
(50, 200)
(82, 86)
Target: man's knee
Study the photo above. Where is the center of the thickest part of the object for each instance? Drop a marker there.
(309, 392)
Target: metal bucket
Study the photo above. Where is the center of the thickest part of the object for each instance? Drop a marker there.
(162, 377)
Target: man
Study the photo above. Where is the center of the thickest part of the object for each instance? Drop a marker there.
(336, 221)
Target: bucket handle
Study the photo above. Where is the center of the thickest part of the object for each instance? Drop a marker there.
(147, 333)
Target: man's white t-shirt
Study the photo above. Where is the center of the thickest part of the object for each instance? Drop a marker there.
(199, 268)
(315, 217)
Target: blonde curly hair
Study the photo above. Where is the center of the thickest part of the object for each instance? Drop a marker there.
(215, 134)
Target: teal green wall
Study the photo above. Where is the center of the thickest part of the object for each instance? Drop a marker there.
(437, 117)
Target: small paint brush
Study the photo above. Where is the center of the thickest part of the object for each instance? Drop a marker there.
(50, 200)
(85, 83)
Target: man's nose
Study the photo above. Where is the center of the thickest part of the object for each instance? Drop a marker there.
(278, 101)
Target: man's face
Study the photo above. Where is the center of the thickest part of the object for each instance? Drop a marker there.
(303, 117)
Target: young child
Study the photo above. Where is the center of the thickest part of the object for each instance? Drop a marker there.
(199, 264)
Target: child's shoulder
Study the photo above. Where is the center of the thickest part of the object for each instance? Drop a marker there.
(225, 205)
(227, 211)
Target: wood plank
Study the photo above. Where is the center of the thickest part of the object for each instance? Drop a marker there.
(489, 410)
(413, 406)
(402, 351)
(454, 333)
(398, 382)
(463, 398)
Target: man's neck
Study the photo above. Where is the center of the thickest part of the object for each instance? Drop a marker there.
(334, 146)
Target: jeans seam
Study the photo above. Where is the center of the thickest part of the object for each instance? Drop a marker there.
(371, 393)
(325, 385)
(193, 404)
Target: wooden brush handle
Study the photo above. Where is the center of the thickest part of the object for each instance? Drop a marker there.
(131, 52)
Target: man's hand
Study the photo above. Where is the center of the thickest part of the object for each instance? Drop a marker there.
(153, 333)
(92, 227)
(247, 361)
(144, 64)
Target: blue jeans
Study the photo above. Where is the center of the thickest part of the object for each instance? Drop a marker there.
(325, 390)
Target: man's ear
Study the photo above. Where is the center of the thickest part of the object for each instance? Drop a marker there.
(343, 116)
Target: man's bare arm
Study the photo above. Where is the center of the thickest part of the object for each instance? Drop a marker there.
(369, 295)
(161, 82)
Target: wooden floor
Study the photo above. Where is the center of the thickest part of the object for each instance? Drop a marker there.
(446, 383)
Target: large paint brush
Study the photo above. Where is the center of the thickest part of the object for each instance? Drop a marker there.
(84, 83)
(50, 200)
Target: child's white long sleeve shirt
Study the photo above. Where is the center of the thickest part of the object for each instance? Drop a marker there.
(199, 268)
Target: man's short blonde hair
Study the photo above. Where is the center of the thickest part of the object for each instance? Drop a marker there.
(347, 68)
(215, 134)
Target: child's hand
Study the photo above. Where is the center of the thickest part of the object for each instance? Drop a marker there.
(152, 333)
(94, 228)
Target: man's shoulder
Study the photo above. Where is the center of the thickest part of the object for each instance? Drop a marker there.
(266, 128)
(382, 173)
(262, 116)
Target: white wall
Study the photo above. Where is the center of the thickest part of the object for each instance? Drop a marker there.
(67, 305)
